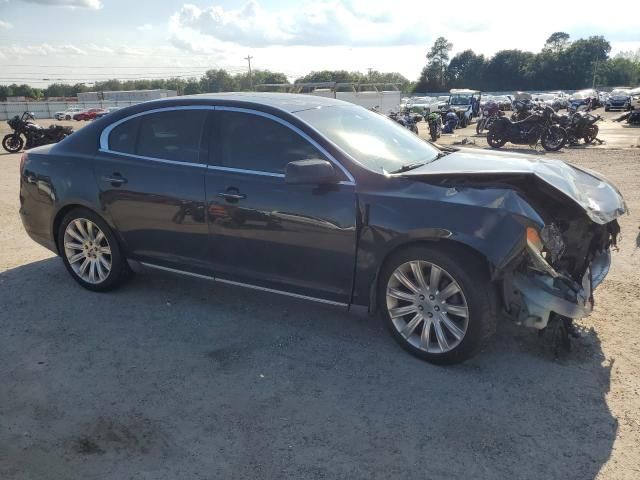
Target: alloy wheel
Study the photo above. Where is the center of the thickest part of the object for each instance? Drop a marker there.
(427, 307)
(87, 250)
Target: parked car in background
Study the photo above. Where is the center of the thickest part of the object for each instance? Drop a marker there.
(237, 188)
(504, 102)
(635, 98)
(106, 111)
(88, 114)
(619, 99)
(68, 113)
(583, 97)
(465, 103)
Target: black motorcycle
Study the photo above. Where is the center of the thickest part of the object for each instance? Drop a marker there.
(538, 127)
(580, 125)
(434, 121)
(521, 109)
(407, 120)
(632, 117)
(35, 135)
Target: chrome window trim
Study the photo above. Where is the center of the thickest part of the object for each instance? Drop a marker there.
(153, 159)
(104, 140)
(246, 285)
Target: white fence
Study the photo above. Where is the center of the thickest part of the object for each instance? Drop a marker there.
(48, 109)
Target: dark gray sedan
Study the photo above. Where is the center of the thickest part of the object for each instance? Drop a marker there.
(326, 201)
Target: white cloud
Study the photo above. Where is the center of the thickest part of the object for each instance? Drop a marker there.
(4, 24)
(144, 28)
(319, 23)
(94, 4)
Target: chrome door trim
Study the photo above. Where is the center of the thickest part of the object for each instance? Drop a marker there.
(246, 285)
(154, 159)
(242, 170)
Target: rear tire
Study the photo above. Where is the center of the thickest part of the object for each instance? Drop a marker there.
(84, 237)
(465, 319)
(495, 140)
(592, 134)
(480, 126)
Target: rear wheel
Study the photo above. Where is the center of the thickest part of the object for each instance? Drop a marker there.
(90, 251)
(436, 303)
(13, 143)
(495, 139)
(480, 126)
(554, 138)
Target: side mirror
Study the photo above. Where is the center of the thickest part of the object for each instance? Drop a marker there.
(313, 171)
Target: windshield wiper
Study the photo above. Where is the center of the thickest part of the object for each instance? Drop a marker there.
(412, 166)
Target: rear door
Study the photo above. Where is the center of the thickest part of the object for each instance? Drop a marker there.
(150, 170)
(264, 232)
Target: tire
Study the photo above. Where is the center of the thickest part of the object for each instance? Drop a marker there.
(119, 269)
(592, 134)
(495, 140)
(480, 126)
(560, 138)
(68, 117)
(13, 143)
(434, 133)
(606, 109)
(470, 279)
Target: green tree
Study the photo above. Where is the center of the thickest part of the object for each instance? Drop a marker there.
(557, 42)
(338, 76)
(466, 69)
(432, 77)
(217, 81)
(192, 86)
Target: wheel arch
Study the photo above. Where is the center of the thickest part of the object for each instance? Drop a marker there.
(62, 211)
(447, 245)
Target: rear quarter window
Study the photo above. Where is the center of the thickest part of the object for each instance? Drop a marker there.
(123, 137)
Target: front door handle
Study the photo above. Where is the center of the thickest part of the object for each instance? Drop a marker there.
(115, 179)
(232, 197)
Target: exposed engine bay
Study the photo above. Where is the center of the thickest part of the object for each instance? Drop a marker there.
(567, 240)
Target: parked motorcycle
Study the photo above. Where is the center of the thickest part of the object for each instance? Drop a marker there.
(632, 117)
(521, 110)
(434, 121)
(450, 122)
(538, 127)
(407, 120)
(490, 114)
(580, 125)
(35, 135)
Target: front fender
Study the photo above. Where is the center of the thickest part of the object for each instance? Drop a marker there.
(491, 222)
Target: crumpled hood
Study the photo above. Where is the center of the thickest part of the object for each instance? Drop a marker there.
(599, 198)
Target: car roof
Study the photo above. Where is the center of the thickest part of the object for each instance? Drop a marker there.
(289, 102)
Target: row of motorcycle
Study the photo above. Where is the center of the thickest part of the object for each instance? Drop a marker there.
(28, 134)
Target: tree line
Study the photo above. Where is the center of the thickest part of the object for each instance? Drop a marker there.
(561, 64)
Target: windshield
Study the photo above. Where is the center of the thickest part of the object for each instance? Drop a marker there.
(460, 100)
(620, 92)
(370, 138)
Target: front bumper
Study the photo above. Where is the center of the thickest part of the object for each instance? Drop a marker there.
(541, 294)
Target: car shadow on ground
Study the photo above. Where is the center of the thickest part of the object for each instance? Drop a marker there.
(174, 377)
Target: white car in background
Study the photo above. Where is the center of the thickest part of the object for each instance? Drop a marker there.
(635, 98)
(67, 114)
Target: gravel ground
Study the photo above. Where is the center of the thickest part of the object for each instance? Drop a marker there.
(171, 378)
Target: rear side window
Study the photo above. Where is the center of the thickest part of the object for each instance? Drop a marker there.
(123, 137)
(172, 135)
(253, 142)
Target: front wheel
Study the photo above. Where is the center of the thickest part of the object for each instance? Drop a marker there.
(90, 251)
(436, 303)
(591, 134)
(433, 131)
(554, 138)
(13, 143)
(480, 126)
(495, 139)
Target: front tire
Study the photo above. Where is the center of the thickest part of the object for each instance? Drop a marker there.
(437, 302)
(554, 138)
(13, 143)
(591, 134)
(90, 251)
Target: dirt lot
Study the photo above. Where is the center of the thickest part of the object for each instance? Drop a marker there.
(173, 378)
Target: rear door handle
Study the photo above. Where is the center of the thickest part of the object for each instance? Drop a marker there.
(232, 196)
(115, 179)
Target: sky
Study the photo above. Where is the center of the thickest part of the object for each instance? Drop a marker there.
(70, 41)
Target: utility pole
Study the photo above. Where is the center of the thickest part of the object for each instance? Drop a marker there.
(595, 69)
(248, 59)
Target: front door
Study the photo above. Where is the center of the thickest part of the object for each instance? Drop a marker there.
(151, 179)
(297, 238)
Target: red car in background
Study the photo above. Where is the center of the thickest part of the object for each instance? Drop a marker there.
(88, 114)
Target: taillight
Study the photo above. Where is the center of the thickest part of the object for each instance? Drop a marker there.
(23, 159)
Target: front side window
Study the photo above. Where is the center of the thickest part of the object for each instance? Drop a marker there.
(254, 142)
